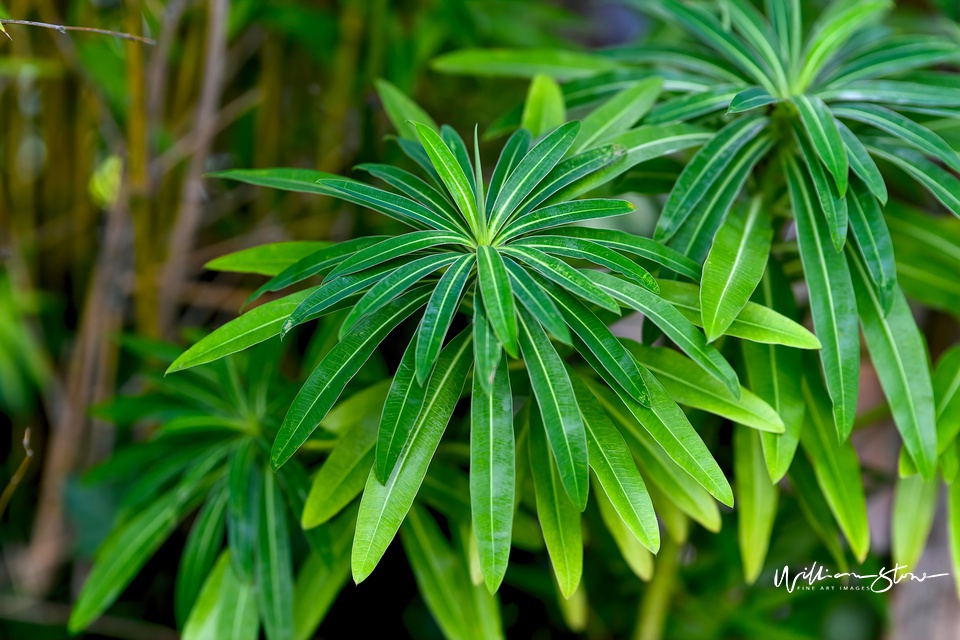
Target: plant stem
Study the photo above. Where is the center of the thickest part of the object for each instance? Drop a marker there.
(655, 603)
(63, 28)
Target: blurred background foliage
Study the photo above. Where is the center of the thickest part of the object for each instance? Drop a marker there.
(106, 223)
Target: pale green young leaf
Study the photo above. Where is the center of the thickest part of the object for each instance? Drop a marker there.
(634, 553)
(756, 323)
(202, 623)
(734, 266)
(266, 259)
(914, 504)
(402, 110)
(619, 113)
(452, 175)
(523, 63)
(756, 501)
(544, 108)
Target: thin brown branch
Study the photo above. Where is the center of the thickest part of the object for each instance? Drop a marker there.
(18, 474)
(63, 28)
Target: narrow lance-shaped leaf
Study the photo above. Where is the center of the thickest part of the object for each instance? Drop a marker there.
(862, 164)
(822, 131)
(266, 259)
(544, 108)
(619, 113)
(395, 247)
(680, 330)
(832, 302)
(755, 322)
(534, 166)
(873, 240)
(564, 213)
(510, 156)
(402, 110)
(561, 415)
(274, 570)
(774, 373)
(498, 300)
(613, 463)
(581, 249)
(492, 474)
(532, 296)
(756, 501)
(323, 387)
(837, 470)
(942, 184)
(750, 98)
(703, 171)
(486, 347)
(734, 266)
(200, 553)
(400, 413)
(832, 204)
(897, 349)
(914, 504)
(645, 248)
(559, 517)
(384, 506)
(439, 313)
(563, 274)
(452, 175)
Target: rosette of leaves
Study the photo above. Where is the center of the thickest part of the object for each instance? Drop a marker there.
(208, 455)
(814, 122)
(513, 298)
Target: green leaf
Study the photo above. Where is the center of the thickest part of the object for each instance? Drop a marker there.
(559, 517)
(939, 182)
(395, 247)
(896, 92)
(237, 618)
(394, 284)
(565, 213)
(529, 172)
(712, 33)
(946, 391)
(734, 266)
(459, 149)
(401, 208)
(492, 474)
(645, 248)
(122, 554)
(486, 347)
(703, 171)
(756, 501)
(200, 553)
(511, 155)
(568, 172)
(522, 63)
(693, 105)
(402, 110)
(320, 580)
(582, 249)
(251, 328)
(836, 469)
(532, 296)
(751, 98)
(274, 570)
(899, 354)
(498, 301)
(244, 485)
(755, 322)
(619, 113)
(786, 17)
(757, 32)
(914, 504)
(832, 302)
(203, 619)
(300, 180)
(415, 187)
(314, 264)
(637, 557)
(873, 240)
(774, 373)
(680, 330)
(831, 30)
(561, 415)
(689, 385)
(953, 516)
(613, 464)
(656, 467)
(384, 506)
(563, 274)
(544, 108)
(895, 55)
(400, 414)
(344, 472)
(815, 509)
(613, 362)
(326, 383)
(439, 314)
(453, 176)
(265, 259)
(824, 136)
(862, 164)
(832, 203)
(918, 136)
